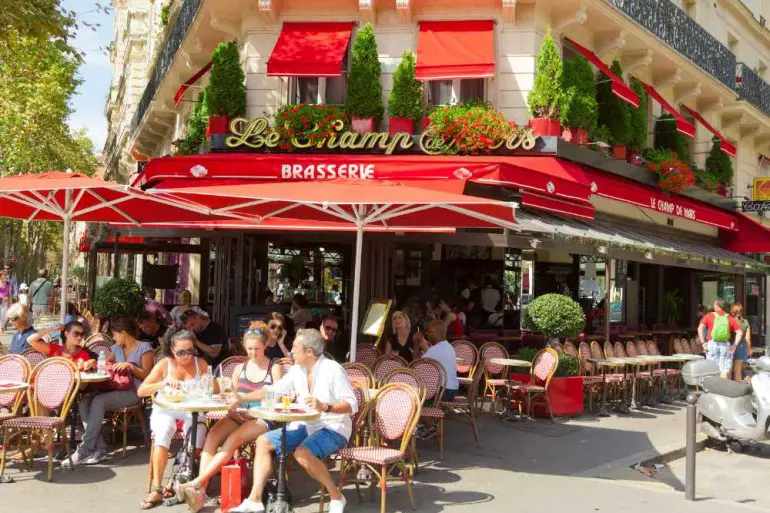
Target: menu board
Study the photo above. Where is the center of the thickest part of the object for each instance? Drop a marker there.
(376, 315)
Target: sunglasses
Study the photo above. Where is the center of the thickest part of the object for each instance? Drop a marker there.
(275, 327)
(76, 334)
(185, 352)
(256, 331)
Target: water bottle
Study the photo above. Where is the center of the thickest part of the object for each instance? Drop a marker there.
(208, 384)
(101, 363)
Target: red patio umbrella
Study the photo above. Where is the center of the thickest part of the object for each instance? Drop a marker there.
(67, 197)
(359, 204)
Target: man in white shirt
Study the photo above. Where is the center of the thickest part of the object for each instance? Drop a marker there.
(320, 384)
(434, 345)
(490, 297)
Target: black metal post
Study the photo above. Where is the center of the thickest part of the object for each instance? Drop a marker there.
(692, 414)
(193, 443)
(281, 505)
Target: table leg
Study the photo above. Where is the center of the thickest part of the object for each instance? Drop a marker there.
(634, 405)
(623, 406)
(281, 504)
(603, 407)
(666, 395)
(193, 442)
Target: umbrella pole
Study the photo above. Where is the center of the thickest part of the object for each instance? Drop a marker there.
(356, 291)
(65, 257)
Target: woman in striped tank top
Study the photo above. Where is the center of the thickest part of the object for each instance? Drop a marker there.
(237, 429)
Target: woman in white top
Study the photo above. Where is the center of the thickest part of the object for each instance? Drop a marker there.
(181, 365)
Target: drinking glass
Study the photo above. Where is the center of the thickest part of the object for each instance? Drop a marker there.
(225, 385)
(268, 401)
(286, 401)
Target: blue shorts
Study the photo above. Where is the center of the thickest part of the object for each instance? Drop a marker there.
(321, 444)
(742, 351)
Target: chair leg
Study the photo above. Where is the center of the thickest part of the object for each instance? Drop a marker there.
(6, 441)
(140, 417)
(49, 445)
(383, 488)
(408, 482)
(125, 431)
(475, 427)
(440, 437)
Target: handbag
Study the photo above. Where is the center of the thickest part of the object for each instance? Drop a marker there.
(235, 483)
(118, 381)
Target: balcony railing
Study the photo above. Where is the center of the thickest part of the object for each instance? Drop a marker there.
(178, 31)
(675, 28)
(752, 88)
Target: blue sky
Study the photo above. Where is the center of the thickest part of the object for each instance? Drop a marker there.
(96, 72)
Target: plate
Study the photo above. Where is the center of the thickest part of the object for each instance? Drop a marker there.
(293, 410)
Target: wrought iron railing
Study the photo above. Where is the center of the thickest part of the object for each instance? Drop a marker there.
(752, 88)
(675, 28)
(177, 33)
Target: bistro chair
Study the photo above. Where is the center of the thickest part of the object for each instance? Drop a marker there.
(56, 381)
(468, 356)
(359, 373)
(495, 375)
(678, 346)
(225, 370)
(98, 338)
(686, 348)
(121, 419)
(556, 346)
(465, 406)
(13, 367)
(367, 354)
(285, 363)
(33, 356)
(434, 376)
(385, 364)
(543, 368)
(393, 416)
(570, 349)
(159, 354)
(409, 377)
(3, 350)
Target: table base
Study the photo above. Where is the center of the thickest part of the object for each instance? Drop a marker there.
(281, 504)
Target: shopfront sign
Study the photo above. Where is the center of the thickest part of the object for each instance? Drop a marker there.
(259, 135)
(673, 208)
(761, 190)
(755, 206)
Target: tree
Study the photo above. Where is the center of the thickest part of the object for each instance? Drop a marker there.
(718, 163)
(226, 95)
(546, 94)
(614, 113)
(639, 120)
(196, 127)
(405, 99)
(668, 137)
(578, 106)
(364, 91)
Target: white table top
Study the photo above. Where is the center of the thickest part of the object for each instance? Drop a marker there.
(277, 414)
(7, 386)
(94, 377)
(510, 362)
(197, 404)
(602, 362)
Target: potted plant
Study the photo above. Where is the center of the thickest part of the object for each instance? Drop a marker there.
(118, 298)
(196, 128)
(472, 128)
(638, 140)
(546, 95)
(674, 176)
(719, 165)
(578, 107)
(565, 392)
(226, 92)
(614, 113)
(672, 307)
(555, 316)
(364, 91)
(306, 122)
(405, 99)
(667, 137)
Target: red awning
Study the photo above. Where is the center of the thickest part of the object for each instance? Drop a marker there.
(307, 49)
(619, 88)
(190, 81)
(581, 209)
(725, 146)
(750, 237)
(628, 191)
(455, 49)
(682, 125)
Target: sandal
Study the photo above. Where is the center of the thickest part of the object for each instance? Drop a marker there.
(148, 503)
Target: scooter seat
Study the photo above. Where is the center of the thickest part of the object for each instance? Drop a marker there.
(725, 387)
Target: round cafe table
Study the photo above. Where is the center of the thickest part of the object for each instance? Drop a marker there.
(86, 378)
(278, 414)
(7, 386)
(510, 362)
(195, 406)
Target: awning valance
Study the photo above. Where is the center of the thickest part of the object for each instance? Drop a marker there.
(310, 49)
(619, 88)
(750, 237)
(682, 125)
(455, 49)
(189, 82)
(726, 146)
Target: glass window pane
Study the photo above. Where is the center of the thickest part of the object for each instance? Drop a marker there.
(306, 90)
(335, 90)
(472, 89)
(439, 92)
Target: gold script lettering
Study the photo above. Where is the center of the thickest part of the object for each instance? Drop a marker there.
(252, 135)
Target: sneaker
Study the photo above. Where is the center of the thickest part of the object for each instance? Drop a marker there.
(249, 506)
(428, 434)
(95, 458)
(195, 498)
(338, 506)
(77, 459)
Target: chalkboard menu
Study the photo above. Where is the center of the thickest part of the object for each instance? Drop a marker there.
(241, 317)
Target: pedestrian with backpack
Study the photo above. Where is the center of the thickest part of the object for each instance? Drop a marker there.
(721, 327)
(40, 291)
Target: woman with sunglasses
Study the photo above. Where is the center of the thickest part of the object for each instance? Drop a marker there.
(72, 333)
(276, 336)
(180, 366)
(237, 429)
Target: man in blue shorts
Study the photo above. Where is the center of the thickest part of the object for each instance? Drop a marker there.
(320, 384)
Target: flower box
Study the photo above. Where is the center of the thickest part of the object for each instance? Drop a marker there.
(425, 123)
(546, 127)
(619, 151)
(218, 125)
(400, 125)
(565, 395)
(362, 125)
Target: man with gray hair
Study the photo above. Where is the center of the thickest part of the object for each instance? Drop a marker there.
(321, 384)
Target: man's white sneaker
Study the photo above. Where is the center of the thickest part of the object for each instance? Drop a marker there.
(77, 459)
(95, 458)
(337, 506)
(249, 506)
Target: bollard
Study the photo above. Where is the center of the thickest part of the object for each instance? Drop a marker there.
(692, 415)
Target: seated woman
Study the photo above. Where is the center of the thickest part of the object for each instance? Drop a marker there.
(180, 365)
(401, 343)
(128, 354)
(237, 429)
(72, 334)
(276, 336)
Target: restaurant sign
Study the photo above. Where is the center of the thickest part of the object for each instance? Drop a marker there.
(761, 189)
(259, 135)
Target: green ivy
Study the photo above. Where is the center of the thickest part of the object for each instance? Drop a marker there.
(165, 10)
(364, 91)
(668, 137)
(578, 107)
(568, 366)
(639, 119)
(405, 99)
(118, 298)
(546, 95)
(718, 163)
(226, 91)
(614, 113)
(555, 316)
(196, 127)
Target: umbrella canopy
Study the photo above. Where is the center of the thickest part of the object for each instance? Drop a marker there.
(360, 204)
(67, 197)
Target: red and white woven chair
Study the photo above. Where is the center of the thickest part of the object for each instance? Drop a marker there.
(13, 367)
(393, 416)
(468, 358)
(99, 342)
(385, 364)
(33, 356)
(465, 406)
(543, 368)
(409, 377)
(367, 354)
(54, 385)
(495, 375)
(225, 369)
(434, 376)
(359, 373)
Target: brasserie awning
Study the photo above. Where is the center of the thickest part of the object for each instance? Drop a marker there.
(619, 88)
(682, 124)
(449, 50)
(310, 49)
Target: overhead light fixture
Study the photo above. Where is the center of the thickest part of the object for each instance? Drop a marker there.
(321, 249)
(648, 255)
(534, 243)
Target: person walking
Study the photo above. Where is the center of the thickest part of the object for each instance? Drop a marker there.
(743, 351)
(39, 292)
(11, 277)
(721, 327)
(5, 300)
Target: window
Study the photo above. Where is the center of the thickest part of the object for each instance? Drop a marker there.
(316, 90)
(447, 92)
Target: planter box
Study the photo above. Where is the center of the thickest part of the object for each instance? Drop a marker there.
(634, 158)
(425, 123)
(565, 394)
(218, 125)
(619, 151)
(362, 125)
(546, 127)
(575, 136)
(398, 125)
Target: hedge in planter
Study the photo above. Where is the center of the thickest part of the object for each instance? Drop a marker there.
(472, 128)
(614, 113)
(719, 165)
(638, 140)
(226, 92)
(578, 107)
(196, 127)
(307, 123)
(119, 298)
(364, 91)
(546, 95)
(667, 137)
(555, 316)
(405, 99)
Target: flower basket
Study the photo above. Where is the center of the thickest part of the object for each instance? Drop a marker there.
(309, 123)
(674, 176)
(565, 395)
(218, 125)
(469, 128)
(619, 151)
(401, 125)
(575, 136)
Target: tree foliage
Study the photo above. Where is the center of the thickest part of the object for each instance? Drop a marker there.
(667, 137)
(555, 316)
(226, 94)
(405, 99)
(639, 119)
(119, 298)
(364, 91)
(614, 113)
(578, 106)
(718, 163)
(196, 127)
(546, 95)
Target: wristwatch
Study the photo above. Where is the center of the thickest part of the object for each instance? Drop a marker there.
(328, 408)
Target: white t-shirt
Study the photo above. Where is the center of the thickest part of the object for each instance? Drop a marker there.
(444, 353)
(489, 299)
